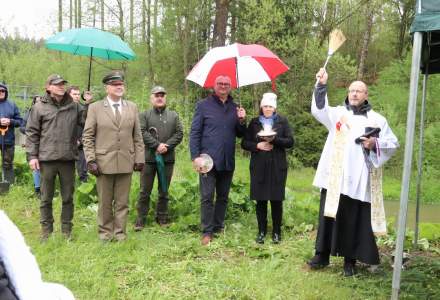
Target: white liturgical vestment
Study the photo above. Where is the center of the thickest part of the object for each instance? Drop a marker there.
(355, 181)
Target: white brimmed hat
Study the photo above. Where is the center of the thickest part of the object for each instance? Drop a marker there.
(269, 99)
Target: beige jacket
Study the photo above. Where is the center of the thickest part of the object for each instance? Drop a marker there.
(114, 148)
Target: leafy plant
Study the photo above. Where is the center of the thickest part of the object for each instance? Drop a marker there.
(86, 193)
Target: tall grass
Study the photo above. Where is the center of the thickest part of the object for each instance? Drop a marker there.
(170, 263)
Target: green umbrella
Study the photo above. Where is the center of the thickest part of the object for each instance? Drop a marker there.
(161, 176)
(160, 163)
(91, 42)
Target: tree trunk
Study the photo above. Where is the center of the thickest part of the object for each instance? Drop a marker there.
(220, 22)
(102, 14)
(155, 13)
(185, 46)
(369, 12)
(70, 14)
(405, 10)
(79, 14)
(60, 15)
(75, 10)
(121, 20)
(149, 52)
(144, 22)
(131, 20)
(94, 13)
(234, 13)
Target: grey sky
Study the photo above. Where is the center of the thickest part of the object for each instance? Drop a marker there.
(31, 18)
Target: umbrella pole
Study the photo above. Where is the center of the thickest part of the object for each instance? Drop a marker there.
(90, 68)
(236, 80)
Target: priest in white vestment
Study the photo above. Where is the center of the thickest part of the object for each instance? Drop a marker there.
(349, 175)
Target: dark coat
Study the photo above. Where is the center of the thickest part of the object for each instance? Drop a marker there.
(214, 127)
(51, 129)
(9, 110)
(268, 168)
(169, 131)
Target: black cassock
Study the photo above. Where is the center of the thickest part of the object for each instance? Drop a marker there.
(350, 234)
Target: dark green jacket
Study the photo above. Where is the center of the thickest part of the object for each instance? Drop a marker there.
(169, 131)
(51, 129)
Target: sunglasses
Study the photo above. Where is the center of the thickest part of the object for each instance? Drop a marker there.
(2, 91)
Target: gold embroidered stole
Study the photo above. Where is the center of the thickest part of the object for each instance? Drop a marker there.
(336, 175)
(336, 172)
(378, 220)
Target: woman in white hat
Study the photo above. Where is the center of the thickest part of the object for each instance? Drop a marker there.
(267, 138)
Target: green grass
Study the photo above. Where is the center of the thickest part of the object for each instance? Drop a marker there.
(169, 263)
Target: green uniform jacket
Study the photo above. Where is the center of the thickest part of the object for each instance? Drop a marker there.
(169, 131)
(114, 147)
(51, 129)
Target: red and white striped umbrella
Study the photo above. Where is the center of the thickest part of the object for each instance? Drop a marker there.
(244, 64)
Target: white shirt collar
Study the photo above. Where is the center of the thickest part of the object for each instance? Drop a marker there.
(111, 102)
(114, 102)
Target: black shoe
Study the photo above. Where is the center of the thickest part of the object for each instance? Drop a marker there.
(139, 225)
(318, 261)
(260, 238)
(219, 230)
(349, 269)
(276, 238)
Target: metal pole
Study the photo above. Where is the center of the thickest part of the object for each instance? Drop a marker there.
(409, 143)
(420, 160)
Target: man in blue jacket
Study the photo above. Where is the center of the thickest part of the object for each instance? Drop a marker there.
(216, 123)
(10, 118)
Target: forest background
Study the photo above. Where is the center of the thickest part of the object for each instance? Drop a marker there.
(170, 36)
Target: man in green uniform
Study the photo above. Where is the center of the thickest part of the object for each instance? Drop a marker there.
(113, 148)
(162, 132)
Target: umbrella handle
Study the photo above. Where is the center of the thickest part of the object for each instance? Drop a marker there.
(90, 68)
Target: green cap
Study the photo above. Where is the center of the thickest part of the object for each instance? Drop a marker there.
(158, 89)
(55, 79)
(113, 76)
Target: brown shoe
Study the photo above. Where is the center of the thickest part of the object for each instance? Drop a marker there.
(206, 239)
(120, 237)
(44, 235)
(46, 231)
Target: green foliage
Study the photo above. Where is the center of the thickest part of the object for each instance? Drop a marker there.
(21, 167)
(422, 278)
(170, 263)
(86, 194)
(430, 231)
(300, 214)
(310, 137)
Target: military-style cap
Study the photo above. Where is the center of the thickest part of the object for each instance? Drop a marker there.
(113, 76)
(158, 89)
(55, 79)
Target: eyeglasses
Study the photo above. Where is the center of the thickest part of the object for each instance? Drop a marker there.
(159, 95)
(223, 83)
(356, 91)
(2, 91)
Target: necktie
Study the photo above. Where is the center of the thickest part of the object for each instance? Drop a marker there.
(117, 113)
